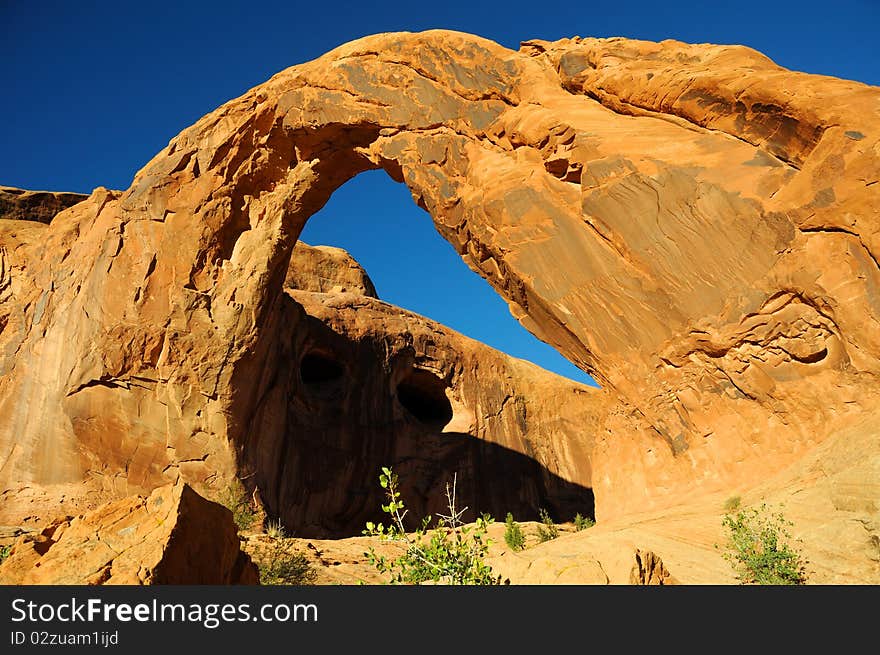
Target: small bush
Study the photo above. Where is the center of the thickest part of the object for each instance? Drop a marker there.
(582, 522)
(758, 548)
(281, 564)
(451, 553)
(4, 553)
(513, 534)
(732, 504)
(236, 500)
(548, 530)
(276, 530)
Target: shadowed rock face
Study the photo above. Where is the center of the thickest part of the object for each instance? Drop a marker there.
(370, 385)
(694, 226)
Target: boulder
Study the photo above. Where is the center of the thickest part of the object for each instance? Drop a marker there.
(173, 536)
(325, 269)
(648, 569)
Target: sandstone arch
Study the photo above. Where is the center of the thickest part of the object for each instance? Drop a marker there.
(693, 225)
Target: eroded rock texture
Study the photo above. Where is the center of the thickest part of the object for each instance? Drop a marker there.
(693, 225)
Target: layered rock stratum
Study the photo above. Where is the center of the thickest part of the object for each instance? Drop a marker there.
(693, 225)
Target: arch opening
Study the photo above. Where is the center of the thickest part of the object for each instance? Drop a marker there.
(414, 267)
(319, 368)
(393, 410)
(423, 395)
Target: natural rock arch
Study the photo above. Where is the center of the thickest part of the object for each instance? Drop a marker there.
(657, 212)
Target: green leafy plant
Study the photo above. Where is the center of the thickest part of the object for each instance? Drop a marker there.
(759, 548)
(280, 563)
(450, 553)
(513, 534)
(548, 529)
(582, 522)
(235, 499)
(4, 553)
(732, 504)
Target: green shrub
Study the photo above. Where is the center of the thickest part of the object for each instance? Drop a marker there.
(732, 504)
(548, 530)
(236, 500)
(4, 553)
(451, 553)
(281, 563)
(513, 534)
(582, 522)
(758, 548)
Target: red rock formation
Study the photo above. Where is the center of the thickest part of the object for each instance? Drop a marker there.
(693, 225)
(173, 537)
(649, 570)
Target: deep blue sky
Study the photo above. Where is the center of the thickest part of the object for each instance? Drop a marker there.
(92, 90)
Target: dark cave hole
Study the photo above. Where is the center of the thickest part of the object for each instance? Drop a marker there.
(423, 395)
(316, 368)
